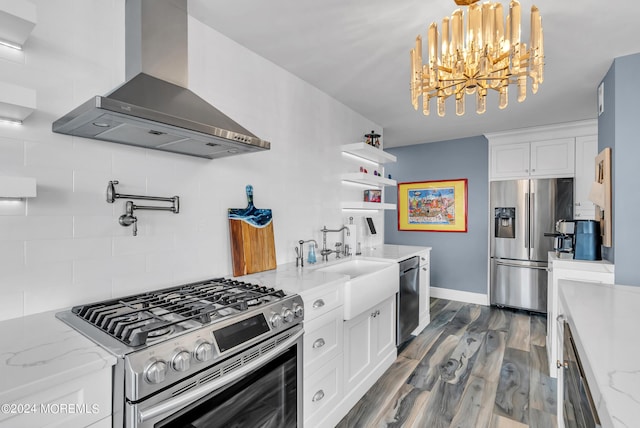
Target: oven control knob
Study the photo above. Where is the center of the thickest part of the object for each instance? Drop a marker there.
(181, 361)
(298, 310)
(276, 320)
(203, 351)
(287, 315)
(155, 371)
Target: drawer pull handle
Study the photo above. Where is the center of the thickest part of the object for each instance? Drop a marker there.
(318, 304)
(318, 343)
(318, 396)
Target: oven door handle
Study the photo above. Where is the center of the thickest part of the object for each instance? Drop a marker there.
(184, 399)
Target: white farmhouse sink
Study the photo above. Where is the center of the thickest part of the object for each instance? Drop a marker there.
(370, 282)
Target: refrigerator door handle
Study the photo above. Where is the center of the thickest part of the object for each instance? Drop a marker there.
(532, 230)
(499, 263)
(528, 225)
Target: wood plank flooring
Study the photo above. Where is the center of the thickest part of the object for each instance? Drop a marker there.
(472, 367)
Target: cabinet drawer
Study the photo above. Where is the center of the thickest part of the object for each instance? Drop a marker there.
(322, 338)
(320, 302)
(322, 392)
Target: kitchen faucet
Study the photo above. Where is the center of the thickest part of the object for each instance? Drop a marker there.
(325, 251)
(300, 250)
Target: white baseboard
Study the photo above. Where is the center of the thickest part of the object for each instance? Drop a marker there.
(459, 296)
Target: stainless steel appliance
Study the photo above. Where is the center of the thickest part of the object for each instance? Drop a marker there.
(563, 236)
(408, 299)
(213, 353)
(153, 108)
(523, 210)
(579, 409)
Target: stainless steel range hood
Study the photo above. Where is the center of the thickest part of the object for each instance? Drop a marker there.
(153, 108)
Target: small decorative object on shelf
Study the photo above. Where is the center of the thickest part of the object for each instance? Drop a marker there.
(363, 170)
(372, 139)
(372, 195)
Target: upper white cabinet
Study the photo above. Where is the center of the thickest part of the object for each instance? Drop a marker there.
(548, 158)
(375, 158)
(586, 152)
(541, 152)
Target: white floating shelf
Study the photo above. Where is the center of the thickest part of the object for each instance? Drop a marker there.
(17, 20)
(367, 179)
(16, 102)
(359, 205)
(368, 152)
(17, 187)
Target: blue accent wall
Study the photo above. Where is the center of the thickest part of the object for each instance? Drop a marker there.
(459, 261)
(619, 128)
(607, 138)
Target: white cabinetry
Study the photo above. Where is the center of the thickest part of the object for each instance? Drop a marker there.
(548, 158)
(369, 343)
(424, 283)
(322, 355)
(600, 271)
(586, 152)
(375, 158)
(78, 402)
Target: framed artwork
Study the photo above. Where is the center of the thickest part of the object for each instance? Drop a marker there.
(433, 206)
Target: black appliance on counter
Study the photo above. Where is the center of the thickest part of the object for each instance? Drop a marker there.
(587, 240)
(219, 352)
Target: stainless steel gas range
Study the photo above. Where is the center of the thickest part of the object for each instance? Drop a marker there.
(219, 352)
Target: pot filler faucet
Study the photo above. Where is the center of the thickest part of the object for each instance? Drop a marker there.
(325, 252)
(128, 219)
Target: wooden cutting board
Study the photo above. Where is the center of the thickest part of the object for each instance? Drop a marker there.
(253, 247)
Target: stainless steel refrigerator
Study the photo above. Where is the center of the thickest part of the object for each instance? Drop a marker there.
(522, 211)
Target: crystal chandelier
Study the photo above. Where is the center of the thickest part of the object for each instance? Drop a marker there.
(491, 57)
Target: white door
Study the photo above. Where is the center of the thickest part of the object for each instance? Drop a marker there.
(553, 158)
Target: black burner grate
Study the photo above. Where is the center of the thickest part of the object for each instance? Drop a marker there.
(138, 319)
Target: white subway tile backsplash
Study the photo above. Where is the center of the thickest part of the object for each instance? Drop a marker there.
(11, 152)
(65, 246)
(12, 256)
(49, 154)
(56, 250)
(35, 227)
(11, 304)
(91, 155)
(92, 226)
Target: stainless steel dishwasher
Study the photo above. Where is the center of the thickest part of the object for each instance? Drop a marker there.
(408, 300)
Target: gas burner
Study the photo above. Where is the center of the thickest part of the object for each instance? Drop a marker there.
(165, 313)
(155, 334)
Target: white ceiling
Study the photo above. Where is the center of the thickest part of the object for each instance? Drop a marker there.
(357, 51)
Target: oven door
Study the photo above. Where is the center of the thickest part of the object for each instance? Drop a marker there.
(259, 387)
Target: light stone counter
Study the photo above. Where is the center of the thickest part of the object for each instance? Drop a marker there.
(303, 279)
(604, 320)
(39, 351)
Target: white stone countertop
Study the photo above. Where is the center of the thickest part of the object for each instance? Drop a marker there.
(302, 279)
(39, 351)
(566, 260)
(604, 320)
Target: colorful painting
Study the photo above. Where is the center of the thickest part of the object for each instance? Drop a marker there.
(433, 206)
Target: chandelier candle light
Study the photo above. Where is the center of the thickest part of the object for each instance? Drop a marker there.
(491, 57)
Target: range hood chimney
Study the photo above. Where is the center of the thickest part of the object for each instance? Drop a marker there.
(153, 108)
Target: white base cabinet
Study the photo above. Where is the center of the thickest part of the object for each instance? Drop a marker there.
(79, 402)
(369, 349)
(322, 354)
(599, 271)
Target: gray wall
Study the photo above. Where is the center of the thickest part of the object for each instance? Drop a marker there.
(458, 260)
(619, 128)
(607, 138)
